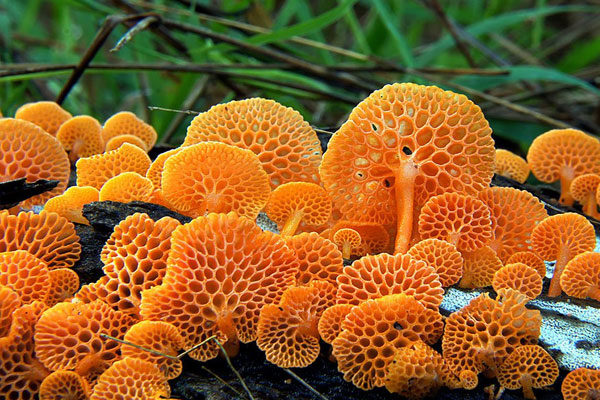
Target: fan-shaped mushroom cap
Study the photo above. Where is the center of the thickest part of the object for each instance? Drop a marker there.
(46, 114)
(564, 154)
(159, 336)
(582, 383)
(288, 332)
(519, 277)
(131, 378)
(67, 336)
(510, 165)
(528, 367)
(155, 171)
(442, 256)
(46, 235)
(26, 274)
(64, 282)
(330, 323)
(222, 269)
(61, 385)
(479, 268)
(294, 202)
(318, 258)
(127, 123)
(530, 259)
(372, 332)
(29, 152)
(20, 371)
(118, 141)
(126, 187)
(215, 177)
(583, 189)
(9, 302)
(287, 147)
(482, 334)
(81, 136)
(70, 203)
(562, 237)
(96, 170)
(400, 146)
(514, 214)
(375, 238)
(348, 239)
(581, 277)
(464, 221)
(374, 276)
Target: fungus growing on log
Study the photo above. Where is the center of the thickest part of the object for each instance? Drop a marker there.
(584, 189)
(511, 166)
(347, 240)
(46, 114)
(318, 258)
(26, 274)
(70, 203)
(519, 277)
(530, 259)
(127, 123)
(117, 141)
(81, 136)
(581, 383)
(64, 385)
(581, 276)
(442, 256)
(126, 187)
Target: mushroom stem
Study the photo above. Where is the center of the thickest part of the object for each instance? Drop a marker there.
(291, 225)
(404, 187)
(566, 177)
(526, 383)
(74, 153)
(346, 249)
(589, 207)
(561, 261)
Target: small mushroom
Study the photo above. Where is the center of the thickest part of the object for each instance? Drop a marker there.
(519, 277)
(127, 123)
(155, 171)
(561, 237)
(318, 258)
(510, 165)
(584, 189)
(126, 187)
(81, 136)
(479, 268)
(442, 256)
(64, 282)
(581, 383)
(528, 367)
(581, 276)
(347, 239)
(564, 154)
(117, 141)
(294, 202)
(530, 259)
(70, 204)
(375, 238)
(330, 323)
(61, 385)
(26, 274)
(9, 302)
(46, 114)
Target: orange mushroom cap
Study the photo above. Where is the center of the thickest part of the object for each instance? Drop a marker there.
(375, 238)
(464, 221)
(46, 235)
(581, 383)
(564, 154)
(530, 259)
(482, 334)
(286, 145)
(62, 384)
(562, 237)
(514, 214)
(442, 256)
(67, 336)
(479, 268)
(159, 336)
(318, 258)
(215, 177)
(64, 282)
(581, 277)
(374, 276)
(118, 141)
(81, 136)
(127, 123)
(347, 239)
(288, 332)
(294, 202)
(131, 378)
(510, 165)
(9, 302)
(528, 367)
(96, 170)
(222, 270)
(46, 114)
(520, 277)
(155, 171)
(400, 146)
(29, 152)
(583, 189)
(126, 187)
(26, 274)
(20, 371)
(70, 203)
(330, 323)
(372, 332)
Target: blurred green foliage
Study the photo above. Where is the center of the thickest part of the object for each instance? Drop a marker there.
(545, 71)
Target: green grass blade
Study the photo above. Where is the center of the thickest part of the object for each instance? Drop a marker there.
(386, 17)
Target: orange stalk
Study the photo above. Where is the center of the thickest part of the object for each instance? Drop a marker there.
(346, 250)
(526, 383)
(291, 225)
(404, 187)
(561, 262)
(566, 177)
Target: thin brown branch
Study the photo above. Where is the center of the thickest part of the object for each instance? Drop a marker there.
(305, 384)
(134, 30)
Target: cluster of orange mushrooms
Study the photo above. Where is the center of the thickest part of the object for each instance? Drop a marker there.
(403, 191)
